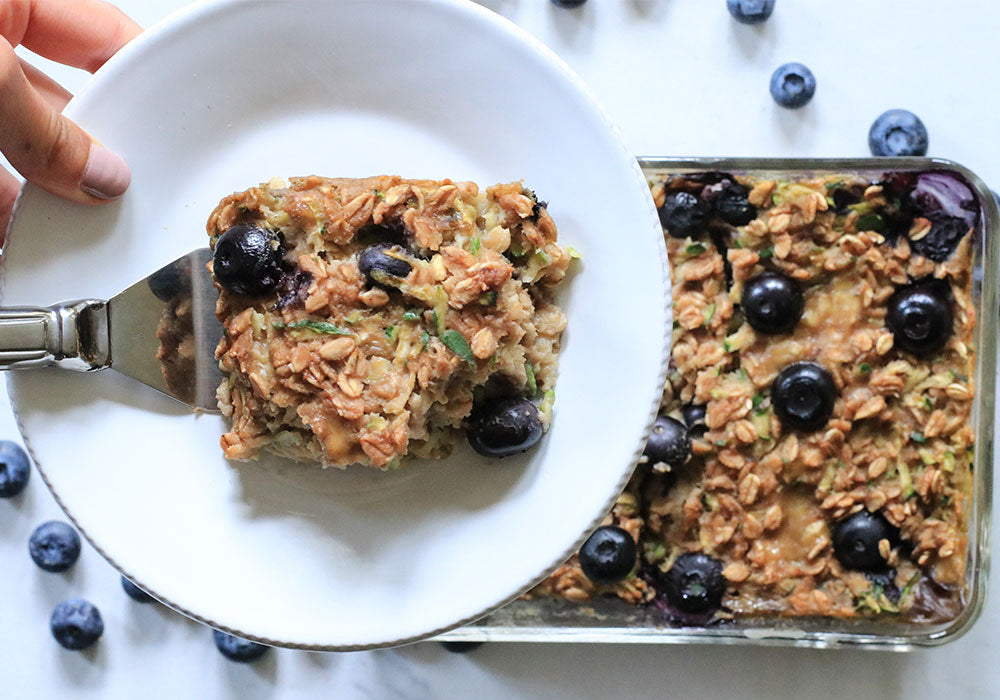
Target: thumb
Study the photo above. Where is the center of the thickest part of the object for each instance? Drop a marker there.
(47, 148)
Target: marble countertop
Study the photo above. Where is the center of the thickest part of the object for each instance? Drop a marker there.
(680, 78)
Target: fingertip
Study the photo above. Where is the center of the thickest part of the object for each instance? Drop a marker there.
(106, 175)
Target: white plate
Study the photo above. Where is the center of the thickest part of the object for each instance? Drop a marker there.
(227, 94)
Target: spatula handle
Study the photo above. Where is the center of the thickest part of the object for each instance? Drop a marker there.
(73, 335)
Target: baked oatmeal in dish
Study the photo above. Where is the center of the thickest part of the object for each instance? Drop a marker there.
(813, 454)
(367, 321)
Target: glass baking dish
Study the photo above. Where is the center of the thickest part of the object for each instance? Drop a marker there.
(611, 620)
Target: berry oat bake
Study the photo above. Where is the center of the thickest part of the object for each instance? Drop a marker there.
(813, 453)
(367, 321)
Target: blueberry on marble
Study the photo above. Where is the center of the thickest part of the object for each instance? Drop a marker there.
(608, 555)
(238, 649)
(461, 647)
(684, 214)
(504, 427)
(694, 584)
(772, 303)
(750, 11)
(135, 593)
(803, 395)
(669, 443)
(856, 540)
(247, 260)
(54, 546)
(15, 469)
(920, 319)
(898, 132)
(793, 85)
(76, 624)
(567, 3)
(381, 261)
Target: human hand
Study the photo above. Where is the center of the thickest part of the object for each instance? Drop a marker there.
(44, 146)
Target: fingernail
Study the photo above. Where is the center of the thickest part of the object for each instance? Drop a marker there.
(106, 175)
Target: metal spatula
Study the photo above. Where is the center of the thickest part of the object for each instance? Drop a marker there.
(161, 331)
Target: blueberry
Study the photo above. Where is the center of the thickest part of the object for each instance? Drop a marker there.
(135, 593)
(772, 303)
(76, 624)
(568, 3)
(844, 198)
(694, 583)
(668, 443)
(461, 647)
(792, 85)
(608, 555)
(504, 427)
(750, 11)
(940, 242)
(803, 395)
(898, 132)
(856, 538)
(920, 319)
(54, 546)
(247, 260)
(378, 261)
(886, 580)
(683, 214)
(694, 418)
(238, 649)
(15, 469)
(732, 206)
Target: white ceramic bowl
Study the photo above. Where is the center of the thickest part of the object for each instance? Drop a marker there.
(227, 94)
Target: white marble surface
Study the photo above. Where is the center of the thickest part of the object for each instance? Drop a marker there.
(680, 78)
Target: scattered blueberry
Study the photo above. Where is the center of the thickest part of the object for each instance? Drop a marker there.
(375, 262)
(76, 624)
(238, 649)
(668, 443)
(15, 469)
(461, 647)
(567, 3)
(694, 583)
(247, 260)
(920, 319)
(694, 418)
(750, 11)
(135, 593)
(803, 395)
(504, 427)
(856, 538)
(608, 555)
(732, 205)
(898, 132)
(792, 85)
(683, 214)
(772, 303)
(54, 546)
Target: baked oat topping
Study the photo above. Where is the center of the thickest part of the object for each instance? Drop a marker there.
(364, 319)
(826, 342)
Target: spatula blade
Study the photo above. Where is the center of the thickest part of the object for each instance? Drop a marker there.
(163, 331)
